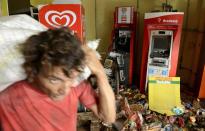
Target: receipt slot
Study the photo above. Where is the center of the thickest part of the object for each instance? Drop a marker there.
(162, 33)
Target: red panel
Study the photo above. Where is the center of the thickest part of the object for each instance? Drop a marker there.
(145, 50)
(68, 15)
(202, 87)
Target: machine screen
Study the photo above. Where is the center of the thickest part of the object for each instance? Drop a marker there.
(122, 42)
(161, 46)
(162, 42)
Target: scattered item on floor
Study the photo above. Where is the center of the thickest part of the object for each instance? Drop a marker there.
(133, 114)
(178, 110)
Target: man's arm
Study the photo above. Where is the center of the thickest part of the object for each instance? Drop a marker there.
(105, 109)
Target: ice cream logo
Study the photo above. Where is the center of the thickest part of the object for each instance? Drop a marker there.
(57, 19)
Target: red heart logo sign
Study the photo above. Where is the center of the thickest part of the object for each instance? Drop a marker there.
(58, 19)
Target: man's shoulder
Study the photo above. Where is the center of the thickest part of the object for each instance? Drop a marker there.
(12, 89)
(82, 85)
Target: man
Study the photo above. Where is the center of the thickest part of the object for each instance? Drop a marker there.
(47, 100)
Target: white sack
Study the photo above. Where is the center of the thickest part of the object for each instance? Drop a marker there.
(14, 30)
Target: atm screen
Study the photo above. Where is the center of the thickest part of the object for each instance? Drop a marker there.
(162, 42)
(161, 46)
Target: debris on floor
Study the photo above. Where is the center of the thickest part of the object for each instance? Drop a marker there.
(133, 114)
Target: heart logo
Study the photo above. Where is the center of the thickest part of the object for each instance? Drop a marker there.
(58, 19)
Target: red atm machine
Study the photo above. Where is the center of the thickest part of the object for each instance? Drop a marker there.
(162, 34)
(123, 41)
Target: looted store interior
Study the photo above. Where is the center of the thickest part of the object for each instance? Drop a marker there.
(152, 52)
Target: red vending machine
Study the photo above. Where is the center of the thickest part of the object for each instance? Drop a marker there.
(123, 36)
(67, 15)
(162, 34)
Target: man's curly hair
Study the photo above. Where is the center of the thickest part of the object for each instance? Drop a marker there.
(55, 47)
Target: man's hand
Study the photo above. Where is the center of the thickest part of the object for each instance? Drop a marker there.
(92, 61)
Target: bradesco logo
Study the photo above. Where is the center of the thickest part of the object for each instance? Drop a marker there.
(169, 21)
(57, 19)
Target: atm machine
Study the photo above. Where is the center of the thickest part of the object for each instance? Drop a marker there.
(123, 42)
(159, 57)
(162, 34)
(121, 51)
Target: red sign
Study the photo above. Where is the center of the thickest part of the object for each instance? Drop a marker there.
(67, 15)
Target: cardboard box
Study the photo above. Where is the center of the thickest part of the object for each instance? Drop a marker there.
(164, 94)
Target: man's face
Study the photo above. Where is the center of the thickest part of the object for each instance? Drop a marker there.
(55, 83)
